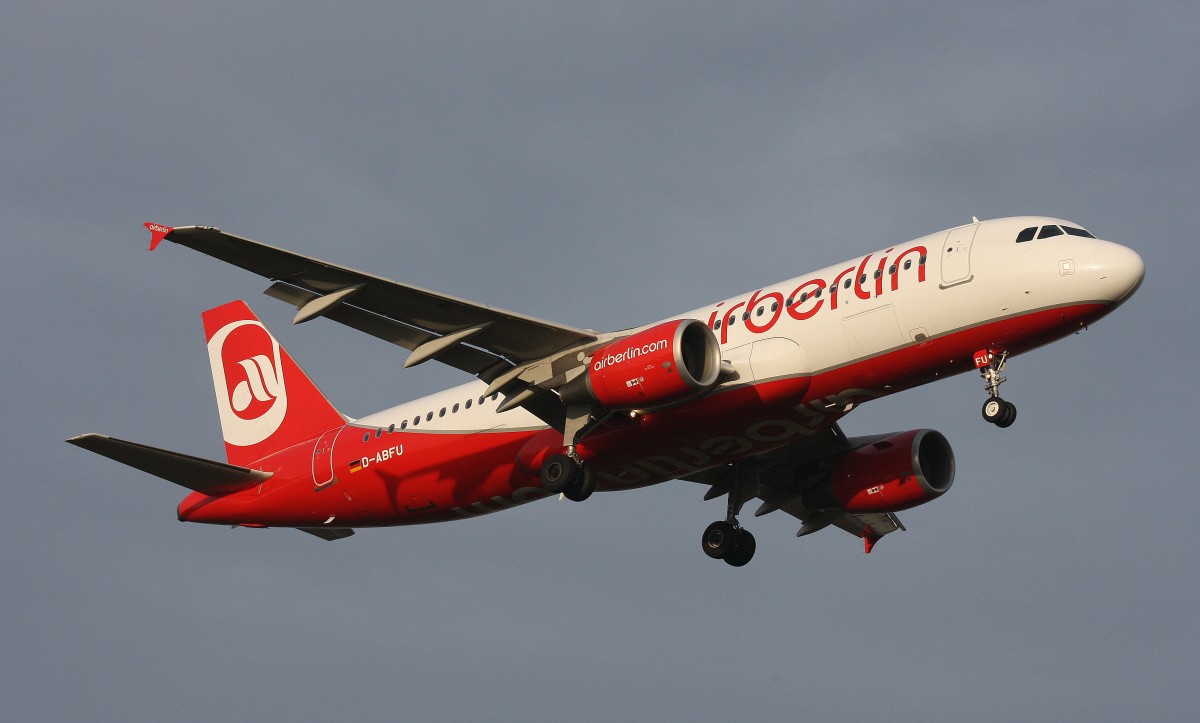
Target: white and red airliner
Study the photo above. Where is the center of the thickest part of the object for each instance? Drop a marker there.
(742, 396)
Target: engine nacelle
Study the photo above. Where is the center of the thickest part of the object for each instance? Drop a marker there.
(895, 473)
(652, 368)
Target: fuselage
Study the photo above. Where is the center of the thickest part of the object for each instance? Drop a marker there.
(800, 354)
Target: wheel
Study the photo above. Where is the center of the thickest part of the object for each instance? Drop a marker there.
(582, 486)
(719, 538)
(557, 473)
(1008, 417)
(742, 550)
(994, 409)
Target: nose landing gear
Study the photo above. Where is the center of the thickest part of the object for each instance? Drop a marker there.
(999, 412)
(990, 363)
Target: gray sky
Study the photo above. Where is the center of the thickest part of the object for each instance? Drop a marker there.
(602, 165)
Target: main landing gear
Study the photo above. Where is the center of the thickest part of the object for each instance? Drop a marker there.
(565, 473)
(568, 475)
(990, 363)
(725, 539)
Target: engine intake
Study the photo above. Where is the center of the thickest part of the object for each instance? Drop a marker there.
(895, 473)
(653, 368)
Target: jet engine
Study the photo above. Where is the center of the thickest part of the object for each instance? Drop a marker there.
(652, 368)
(890, 474)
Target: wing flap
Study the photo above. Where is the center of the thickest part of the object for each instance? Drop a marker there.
(511, 335)
(874, 525)
(460, 356)
(328, 533)
(194, 473)
(781, 476)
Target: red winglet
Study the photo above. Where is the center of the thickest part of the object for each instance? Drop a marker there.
(157, 233)
(869, 540)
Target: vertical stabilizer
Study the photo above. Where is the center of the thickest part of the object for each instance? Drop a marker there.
(265, 401)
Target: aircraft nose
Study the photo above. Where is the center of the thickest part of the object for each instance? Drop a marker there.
(1119, 270)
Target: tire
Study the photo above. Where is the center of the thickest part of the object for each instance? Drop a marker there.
(994, 410)
(1009, 416)
(743, 550)
(558, 471)
(719, 538)
(582, 486)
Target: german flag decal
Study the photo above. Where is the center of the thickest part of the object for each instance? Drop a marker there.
(355, 466)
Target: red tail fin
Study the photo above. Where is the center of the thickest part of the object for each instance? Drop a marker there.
(265, 400)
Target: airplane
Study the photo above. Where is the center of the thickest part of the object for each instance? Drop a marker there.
(742, 396)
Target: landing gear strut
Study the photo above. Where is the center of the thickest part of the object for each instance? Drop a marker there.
(990, 363)
(725, 539)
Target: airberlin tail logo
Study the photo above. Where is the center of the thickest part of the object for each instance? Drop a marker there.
(248, 374)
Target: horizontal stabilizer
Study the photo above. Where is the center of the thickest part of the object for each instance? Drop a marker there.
(195, 473)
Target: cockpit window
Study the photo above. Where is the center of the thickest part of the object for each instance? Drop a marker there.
(1048, 231)
(1027, 234)
(1077, 232)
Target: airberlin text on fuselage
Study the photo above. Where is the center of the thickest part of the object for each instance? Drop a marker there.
(809, 297)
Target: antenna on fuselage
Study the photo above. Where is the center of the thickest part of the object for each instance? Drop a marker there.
(974, 219)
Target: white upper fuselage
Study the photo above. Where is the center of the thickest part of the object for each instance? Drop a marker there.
(910, 293)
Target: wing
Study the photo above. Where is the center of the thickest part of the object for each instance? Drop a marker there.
(782, 475)
(494, 345)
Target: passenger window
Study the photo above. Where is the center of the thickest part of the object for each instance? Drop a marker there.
(468, 404)
(1048, 231)
(1077, 232)
(416, 421)
(1026, 234)
(367, 437)
(442, 413)
(404, 424)
(878, 273)
(846, 283)
(892, 269)
(908, 264)
(803, 298)
(429, 417)
(391, 428)
(454, 409)
(717, 325)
